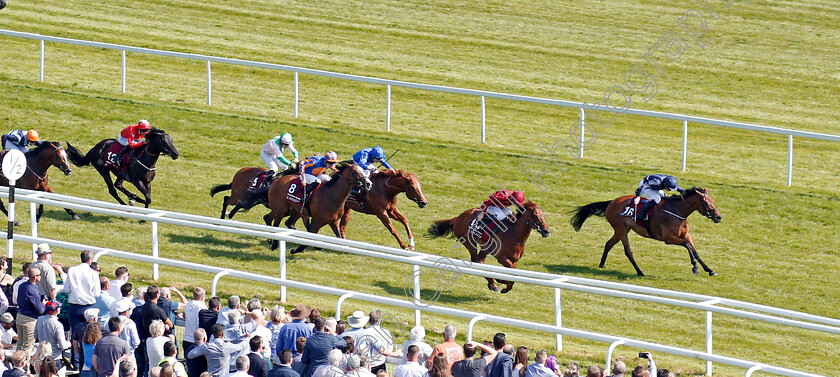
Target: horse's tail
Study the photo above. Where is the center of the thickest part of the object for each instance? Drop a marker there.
(76, 156)
(441, 228)
(219, 188)
(582, 213)
(252, 199)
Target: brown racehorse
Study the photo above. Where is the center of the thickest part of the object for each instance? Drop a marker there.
(38, 160)
(239, 189)
(381, 201)
(668, 223)
(507, 245)
(141, 164)
(324, 206)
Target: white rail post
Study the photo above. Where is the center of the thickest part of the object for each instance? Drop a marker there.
(123, 71)
(33, 215)
(582, 127)
(209, 85)
(709, 333)
(282, 270)
(558, 319)
(685, 143)
(388, 110)
(790, 160)
(216, 282)
(155, 266)
(610, 352)
(42, 61)
(483, 121)
(752, 370)
(417, 312)
(296, 94)
(471, 325)
(340, 302)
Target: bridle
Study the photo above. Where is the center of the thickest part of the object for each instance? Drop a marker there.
(57, 150)
(706, 211)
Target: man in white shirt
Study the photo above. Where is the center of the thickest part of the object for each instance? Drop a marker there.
(411, 368)
(8, 336)
(127, 298)
(538, 368)
(191, 316)
(129, 331)
(120, 278)
(242, 365)
(83, 285)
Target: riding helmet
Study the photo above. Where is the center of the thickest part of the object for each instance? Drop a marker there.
(377, 152)
(519, 196)
(144, 125)
(286, 139)
(32, 135)
(331, 157)
(670, 182)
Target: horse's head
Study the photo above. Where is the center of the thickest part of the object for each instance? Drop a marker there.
(161, 143)
(407, 183)
(352, 171)
(53, 152)
(534, 217)
(706, 205)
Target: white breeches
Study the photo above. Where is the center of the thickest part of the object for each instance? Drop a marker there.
(272, 162)
(123, 141)
(309, 178)
(9, 145)
(499, 213)
(654, 195)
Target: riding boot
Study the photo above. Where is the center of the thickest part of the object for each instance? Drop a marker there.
(269, 177)
(122, 152)
(644, 210)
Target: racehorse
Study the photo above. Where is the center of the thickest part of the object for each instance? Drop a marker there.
(240, 186)
(668, 222)
(323, 207)
(141, 163)
(38, 160)
(381, 201)
(507, 245)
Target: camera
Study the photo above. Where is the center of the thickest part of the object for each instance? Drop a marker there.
(643, 355)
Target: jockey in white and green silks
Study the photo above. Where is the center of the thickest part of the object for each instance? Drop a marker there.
(272, 153)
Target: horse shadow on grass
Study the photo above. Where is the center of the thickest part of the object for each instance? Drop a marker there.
(61, 215)
(208, 243)
(446, 296)
(565, 269)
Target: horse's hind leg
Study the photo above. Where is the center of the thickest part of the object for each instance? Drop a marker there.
(629, 253)
(224, 207)
(111, 185)
(607, 247)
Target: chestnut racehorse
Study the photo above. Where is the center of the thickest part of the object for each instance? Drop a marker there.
(239, 189)
(38, 160)
(507, 245)
(668, 223)
(381, 201)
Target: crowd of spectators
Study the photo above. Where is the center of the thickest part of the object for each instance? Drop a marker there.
(98, 327)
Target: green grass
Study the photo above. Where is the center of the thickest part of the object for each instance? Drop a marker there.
(764, 63)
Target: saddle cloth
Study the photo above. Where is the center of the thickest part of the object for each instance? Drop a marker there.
(482, 230)
(632, 209)
(257, 182)
(295, 193)
(110, 156)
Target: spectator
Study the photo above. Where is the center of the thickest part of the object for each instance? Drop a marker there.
(104, 301)
(357, 322)
(440, 365)
(95, 266)
(78, 335)
(384, 373)
(127, 298)
(155, 372)
(150, 311)
(48, 329)
(191, 311)
(109, 349)
(277, 318)
(43, 350)
(139, 298)
(313, 315)
(4, 301)
(502, 366)
(8, 336)
(572, 370)
(354, 369)
(650, 371)
(208, 317)
(450, 350)
(196, 366)
(126, 369)
(236, 332)
(30, 307)
(297, 365)
(284, 369)
(364, 368)
(120, 278)
(7, 279)
(551, 363)
(291, 331)
(258, 365)
(169, 353)
(232, 304)
(3, 367)
(129, 331)
(91, 335)
(538, 368)
(469, 366)
(217, 352)
(154, 344)
(242, 364)
(663, 373)
(319, 345)
(48, 367)
(376, 343)
(416, 336)
(340, 327)
(619, 369)
(18, 365)
(170, 307)
(594, 371)
(13, 307)
(166, 370)
(520, 361)
(331, 369)
(411, 367)
(47, 285)
(84, 287)
(263, 332)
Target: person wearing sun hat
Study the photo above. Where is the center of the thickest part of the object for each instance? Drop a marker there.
(47, 285)
(8, 336)
(292, 330)
(49, 329)
(357, 322)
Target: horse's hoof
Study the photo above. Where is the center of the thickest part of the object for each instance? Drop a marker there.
(506, 290)
(297, 250)
(76, 217)
(410, 248)
(493, 288)
(602, 265)
(695, 271)
(131, 202)
(712, 273)
(273, 244)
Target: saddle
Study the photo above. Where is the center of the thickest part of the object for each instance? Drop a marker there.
(632, 210)
(262, 181)
(111, 161)
(482, 230)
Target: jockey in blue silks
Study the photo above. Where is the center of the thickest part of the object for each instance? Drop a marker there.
(653, 186)
(369, 156)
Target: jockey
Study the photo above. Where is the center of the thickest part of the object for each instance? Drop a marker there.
(19, 139)
(132, 137)
(652, 187)
(369, 156)
(312, 170)
(272, 154)
(497, 204)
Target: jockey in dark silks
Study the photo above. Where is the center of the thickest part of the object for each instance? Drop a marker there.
(20, 139)
(653, 186)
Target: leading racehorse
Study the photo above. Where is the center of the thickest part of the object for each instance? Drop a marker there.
(668, 222)
(507, 245)
(381, 201)
(140, 161)
(38, 160)
(244, 185)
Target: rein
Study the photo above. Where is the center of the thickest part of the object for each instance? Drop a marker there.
(44, 178)
(146, 151)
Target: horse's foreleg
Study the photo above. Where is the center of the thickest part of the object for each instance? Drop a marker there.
(629, 254)
(345, 219)
(396, 215)
(387, 222)
(146, 189)
(131, 197)
(224, 207)
(693, 252)
(312, 227)
(111, 185)
(69, 211)
(607, 247)
(39, 213)
(508, 284)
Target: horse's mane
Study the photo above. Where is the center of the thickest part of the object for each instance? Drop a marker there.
(525, 207)
(341, 166)
(688, 193)
(41, 145)
(396, 173)
(156, 132)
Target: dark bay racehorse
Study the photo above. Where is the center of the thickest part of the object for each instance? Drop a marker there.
(324, 206)
(141, 164)
(38, 160)
(239, 189)
(668, 223)
(507, 246)
(381, 201)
